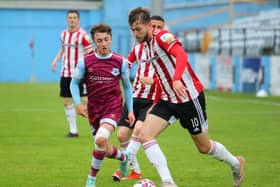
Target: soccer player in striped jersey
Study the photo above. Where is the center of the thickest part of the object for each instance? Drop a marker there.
(182, 96)
(143, 96)
(103, 70)
(75, 42)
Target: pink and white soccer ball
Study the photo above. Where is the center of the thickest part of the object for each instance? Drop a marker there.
(145, 183)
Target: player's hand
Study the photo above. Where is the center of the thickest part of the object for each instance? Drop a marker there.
(146, 80)
(179, 89)
(81, 110)
(131, 118)
(54, 65)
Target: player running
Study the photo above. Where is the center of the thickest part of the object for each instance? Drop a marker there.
(103, 71)
(182, 96)
(143, 97)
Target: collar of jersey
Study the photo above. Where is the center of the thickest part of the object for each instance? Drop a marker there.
(103, 57)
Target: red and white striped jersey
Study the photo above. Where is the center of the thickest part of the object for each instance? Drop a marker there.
(144, 70)
(164, 65)
(75, 44)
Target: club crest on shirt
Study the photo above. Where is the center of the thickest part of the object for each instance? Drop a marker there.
(167, 37)
(115, 71)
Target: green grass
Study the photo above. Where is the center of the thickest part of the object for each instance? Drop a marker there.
(34, 152)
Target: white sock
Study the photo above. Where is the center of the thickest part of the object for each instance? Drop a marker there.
(71, 118)
(134, 145)
(219, 152)
(158, 160)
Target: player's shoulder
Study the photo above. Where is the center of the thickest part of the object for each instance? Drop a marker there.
(81, 30)
(117, 56)
(159, 32)
(164, 36)
(89, 54)
(65, 31)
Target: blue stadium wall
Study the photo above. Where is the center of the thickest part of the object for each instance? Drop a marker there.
(20, 63)
(18, 27)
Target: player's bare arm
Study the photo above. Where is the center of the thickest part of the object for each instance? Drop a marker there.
(131, 118)
(56, 59)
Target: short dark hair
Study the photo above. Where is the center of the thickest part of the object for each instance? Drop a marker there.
(100, 28)
(157, 17)
(73, 11)
(139, 14)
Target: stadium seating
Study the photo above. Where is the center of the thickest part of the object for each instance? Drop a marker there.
(251, 36)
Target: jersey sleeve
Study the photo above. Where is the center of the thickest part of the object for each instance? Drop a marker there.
(86, 42)
(131, 57)
(126, 85)
(74, 85)
(165, 39)
(62, 38)
(79, 71)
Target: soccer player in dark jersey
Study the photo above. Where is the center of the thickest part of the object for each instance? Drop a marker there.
(103, 70)
(181, 96)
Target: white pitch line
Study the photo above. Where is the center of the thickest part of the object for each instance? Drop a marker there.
(251, 101)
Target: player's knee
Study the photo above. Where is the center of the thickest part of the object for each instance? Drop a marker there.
(137, 128)
(100, 143)
(123, 137)
(144, 137)
(101, 138)
(124, 134)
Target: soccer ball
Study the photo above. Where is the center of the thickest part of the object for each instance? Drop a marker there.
(145, 183)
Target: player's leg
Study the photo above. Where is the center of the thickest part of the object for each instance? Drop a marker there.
(220, 152)
(101, 141)
(141, 106)
(103, 148)
(69, 107)
(124, 134)
(135, 145)
(148, 135)
(70, 113)
(196, 121)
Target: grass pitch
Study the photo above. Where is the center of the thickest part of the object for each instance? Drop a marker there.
(34, 152)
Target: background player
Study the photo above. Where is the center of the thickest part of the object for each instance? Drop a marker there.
(103, 71)
(182, 96)
(75, 43)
